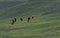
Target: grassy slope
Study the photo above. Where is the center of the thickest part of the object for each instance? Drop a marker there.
(46, 23)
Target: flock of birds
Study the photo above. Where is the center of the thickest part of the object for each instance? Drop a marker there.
(14, 20)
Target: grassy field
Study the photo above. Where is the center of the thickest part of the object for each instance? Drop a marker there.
(46, 22)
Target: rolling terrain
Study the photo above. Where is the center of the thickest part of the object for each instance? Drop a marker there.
(46, 22)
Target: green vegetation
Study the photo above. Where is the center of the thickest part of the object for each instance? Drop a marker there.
(46, 22)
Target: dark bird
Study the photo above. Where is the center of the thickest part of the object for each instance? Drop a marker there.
(15, 19)
(32, 17)
(28, 19)
(21, 19)
(12, 22)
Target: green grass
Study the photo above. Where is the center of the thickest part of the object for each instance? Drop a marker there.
(44, 25)
(33, 29)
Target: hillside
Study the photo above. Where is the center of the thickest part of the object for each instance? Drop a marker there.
(46, 22)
